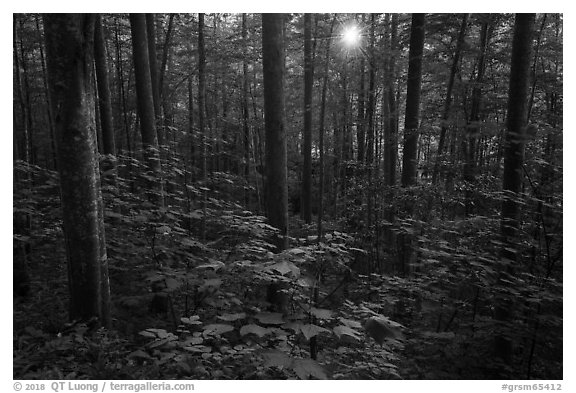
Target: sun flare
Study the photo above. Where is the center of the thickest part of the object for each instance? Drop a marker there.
(351, 36)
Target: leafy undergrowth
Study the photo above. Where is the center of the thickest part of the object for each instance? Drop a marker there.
(197, 293)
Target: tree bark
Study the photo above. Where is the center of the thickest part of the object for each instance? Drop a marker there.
(202, 95)
(153, 62)
(390, 126)
(274, 121)
(145, 103)
(409, 159)
(245, 114)
(371, 94)
(513, 162)
(69, 50)
(473, 126)
(307, 145)
(105, 104)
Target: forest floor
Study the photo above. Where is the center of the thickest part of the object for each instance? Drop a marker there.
(220, 304)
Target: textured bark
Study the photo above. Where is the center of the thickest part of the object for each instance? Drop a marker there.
(48, 104)
(321, 133)
(274, 118)
(23, 140)
(69, 50)
(516, 125)
(371, 95)
(154, 77)
(145, 104)
(409, 159)
(165, 52)
(105, 105)
(390, 127)
(202, 94)
(245, 113)
(307, 145)
(513, 162)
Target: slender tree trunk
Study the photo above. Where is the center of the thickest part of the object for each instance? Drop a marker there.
(307, 146)
(448, 100)
(105, 103)
(165, 52)
(321, 133)
(390, 126)
(24, 140)
(69, 47)
(202, 95)
(48, 104)
(410, 152)
(473, 126)
(274, 117)
(151, 41)
(513, 162)
(409, 159)
(361, 127)
(145, 103)
(371, 94)
(245, 114)
(201, 117)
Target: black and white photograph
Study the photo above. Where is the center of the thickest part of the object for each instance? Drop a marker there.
(287, 196)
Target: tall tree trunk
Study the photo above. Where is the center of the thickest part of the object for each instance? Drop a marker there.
(390, 126)
(105, 104)
(274, 117)
(201, 117)
(245, 114)
(24, 140)
(48, 104)
(202, 95)
(69, 50)
(448, 99)
(165, 52)
(409, 160)
(513, 162)
(409, 164)
(145, 103)
(371, 94)
(473, 126)
(321, 133)
(122, 108)
(151, 41)
(307, 145)
(361, 120)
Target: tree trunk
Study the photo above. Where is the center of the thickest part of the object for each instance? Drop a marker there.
(274, 117)
(409, 160)
(473, 126)
(48, 104)
(145, 104)
(371, 95)
(165, 52)
(390, 129)
(307, 145)
(513, 162)
(69, 50)
(245, 114)
(23, 142)
(105, 105)
(202, 95)
(153, 62)
(321, 133)
(448, 100)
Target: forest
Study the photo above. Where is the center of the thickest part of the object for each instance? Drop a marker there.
(372, 196)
